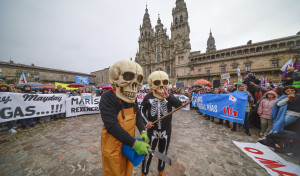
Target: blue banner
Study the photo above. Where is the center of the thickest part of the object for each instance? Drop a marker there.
(84, 80)
(230, 106)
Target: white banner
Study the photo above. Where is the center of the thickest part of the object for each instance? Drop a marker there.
(268, 159)
(75, 105)
(15, 106)
(184, 99)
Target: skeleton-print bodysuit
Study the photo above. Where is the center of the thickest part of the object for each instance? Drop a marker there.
(151, 110)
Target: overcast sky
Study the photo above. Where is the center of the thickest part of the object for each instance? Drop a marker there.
(89, 35)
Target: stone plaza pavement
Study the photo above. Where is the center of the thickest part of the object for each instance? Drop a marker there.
(72, 147)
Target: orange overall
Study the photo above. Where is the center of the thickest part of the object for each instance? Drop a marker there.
(114, 163)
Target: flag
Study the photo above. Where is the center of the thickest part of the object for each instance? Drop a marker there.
(288, 64)
(297, 64)
(262, 81)
(22, 78)
(238, 72)
(176, 79)
(226, 82)
(232, 98)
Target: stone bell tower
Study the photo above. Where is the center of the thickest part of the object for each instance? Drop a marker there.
(211, 46)
(144, 55)
(180, 38)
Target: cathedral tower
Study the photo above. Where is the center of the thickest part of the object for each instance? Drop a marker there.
(180, 29)
(211, 47)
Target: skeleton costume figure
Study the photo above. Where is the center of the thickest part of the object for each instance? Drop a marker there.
(153, 107)
(119, 115)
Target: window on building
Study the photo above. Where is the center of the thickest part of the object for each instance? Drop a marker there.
(275, 75)
(168, 57)
(248, 66)
(51, 74)
(158, 58)
(178, 60)
(0, 70)
(64, 78)
(176, 20)
(168, 70)
(158, 48)
(28, 75)
(223, 69)
(181, 18)
(275, 63)
(207, 72)
(234, 65)
(199, 69)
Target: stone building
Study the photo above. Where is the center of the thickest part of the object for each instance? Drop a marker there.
(39, 74)
(159, 52)
(262, 58)
(101, 76)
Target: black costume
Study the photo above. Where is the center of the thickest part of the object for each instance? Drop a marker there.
(151, 110)
(110, 107)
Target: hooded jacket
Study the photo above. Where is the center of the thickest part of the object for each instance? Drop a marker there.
(266, 105)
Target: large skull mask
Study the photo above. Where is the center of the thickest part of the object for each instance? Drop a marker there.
(158, 81)
(126, 78)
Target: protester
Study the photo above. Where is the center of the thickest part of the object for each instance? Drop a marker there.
(10, 124)
(29, 121)
(250, 87)
(286, 109)
(287, 80)
(296, 79)
(59, 90)
(264, 111)
(227, 122)
(45, 118)
(155, 105)
(241, 88)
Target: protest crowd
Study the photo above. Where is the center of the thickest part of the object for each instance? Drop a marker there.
(273, 109)
(27, 89)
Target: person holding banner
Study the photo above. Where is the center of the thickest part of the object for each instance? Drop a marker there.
(45, 118)
(241, 88)
(29, 121)
(10, 124)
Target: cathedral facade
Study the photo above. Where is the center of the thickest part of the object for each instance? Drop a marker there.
(158, 51)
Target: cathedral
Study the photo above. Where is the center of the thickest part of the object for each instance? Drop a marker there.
(158, 51)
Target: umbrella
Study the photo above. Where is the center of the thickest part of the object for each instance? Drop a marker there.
(31, 84)
(107, 87)
(102, 85)
(47, 87)
(75, 85)
(90, 87)
(202, 81)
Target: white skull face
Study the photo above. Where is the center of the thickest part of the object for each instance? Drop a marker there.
(158, 81)
(126, 78)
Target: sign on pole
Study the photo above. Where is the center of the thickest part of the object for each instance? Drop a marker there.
(225, 76)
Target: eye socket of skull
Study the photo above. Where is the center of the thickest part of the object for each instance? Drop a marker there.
(128, 76)
(165, 82)
(140, 78)
(156, 83)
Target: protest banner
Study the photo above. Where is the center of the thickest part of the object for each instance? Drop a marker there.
(184, 99)
(76, 105)
(84, 80)
(63, 85)
(230, 106)
(15, 106)
(268, 159)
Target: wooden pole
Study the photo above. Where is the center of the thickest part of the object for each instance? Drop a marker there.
(171, 112)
